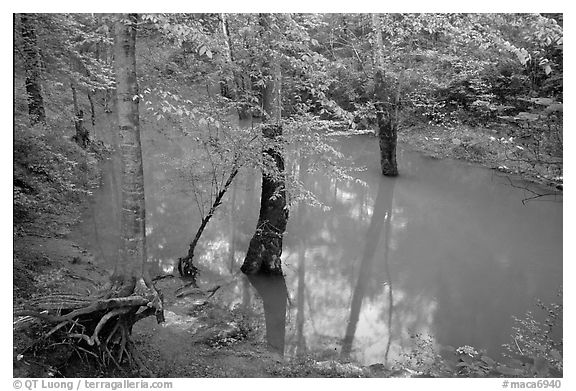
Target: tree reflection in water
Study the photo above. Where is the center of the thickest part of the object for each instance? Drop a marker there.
(381, 216)
(272, 289)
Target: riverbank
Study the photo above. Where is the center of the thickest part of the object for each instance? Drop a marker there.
(492, 148)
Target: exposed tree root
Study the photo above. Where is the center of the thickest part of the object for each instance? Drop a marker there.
(98, 327)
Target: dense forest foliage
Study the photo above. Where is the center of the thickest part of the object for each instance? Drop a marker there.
(261, 90)
(495, 71)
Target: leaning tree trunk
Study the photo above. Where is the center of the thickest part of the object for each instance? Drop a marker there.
(265, 247)
(186, 267)
(32, 67)
(386, 104)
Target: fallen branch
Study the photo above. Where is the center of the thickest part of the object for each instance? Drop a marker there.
(535, 194)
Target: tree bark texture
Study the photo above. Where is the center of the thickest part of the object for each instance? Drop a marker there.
(265, 247)
(130, 266)
(387, 128)
(32, 68)
(386, 104)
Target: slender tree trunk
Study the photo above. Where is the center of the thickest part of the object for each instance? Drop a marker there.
(265, 246)
(92, 110)
(89, 94)
(131, 265)
(382, 211)
(234, 84)
(386, 104)
(227, 87)
(32, 68)
(185, 266)
(82, 136)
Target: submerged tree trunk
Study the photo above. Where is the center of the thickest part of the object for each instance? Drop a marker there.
(32, 67)
(382, 213)
(265, 247)
(386, 104)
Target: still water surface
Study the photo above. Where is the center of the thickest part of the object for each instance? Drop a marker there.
(447, 249)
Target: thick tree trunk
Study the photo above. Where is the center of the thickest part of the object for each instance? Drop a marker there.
(265, 247)
(387, 129)
(386, 104)
(32, 67)
(130, 267)
(382, 213)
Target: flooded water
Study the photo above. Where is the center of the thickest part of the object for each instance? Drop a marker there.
(447, 249)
